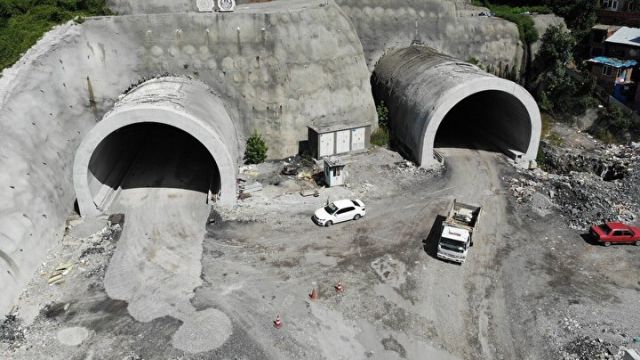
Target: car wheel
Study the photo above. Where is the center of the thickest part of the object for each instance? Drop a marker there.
(607, 243)
(328, 223)
(638, 243)
(357, 217)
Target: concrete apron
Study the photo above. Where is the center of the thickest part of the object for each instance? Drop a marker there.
(156, 266)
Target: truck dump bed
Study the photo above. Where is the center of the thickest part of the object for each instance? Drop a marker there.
(463, 215)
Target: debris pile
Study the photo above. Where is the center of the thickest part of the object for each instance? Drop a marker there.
(11, 331)
(406, 167)
(587, 348)
(585, 189)
(610, 163)
(58, 274)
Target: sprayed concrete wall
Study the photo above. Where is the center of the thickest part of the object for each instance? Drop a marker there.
(390, 24)
(421, 87)
(275, 69)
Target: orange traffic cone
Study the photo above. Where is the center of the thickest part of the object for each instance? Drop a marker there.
(339, 287)
(313, 295)
(277, 323)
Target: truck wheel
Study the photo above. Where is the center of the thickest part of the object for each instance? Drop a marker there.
(638, 243)
(328, 223)
(357, 217)
(607, 243)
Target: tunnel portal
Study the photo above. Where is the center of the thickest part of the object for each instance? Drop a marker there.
(438, 101)
(166, 133)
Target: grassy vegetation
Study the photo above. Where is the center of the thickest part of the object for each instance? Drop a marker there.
(380, 136)
(23, 22)
(518, 15)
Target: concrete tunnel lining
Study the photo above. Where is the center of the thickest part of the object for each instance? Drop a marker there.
(421, 86)
(523, 139)
(180, 103)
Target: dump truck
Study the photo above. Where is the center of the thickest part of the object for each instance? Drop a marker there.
(456, 236)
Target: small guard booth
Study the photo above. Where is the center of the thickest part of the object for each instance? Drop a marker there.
(334, 172)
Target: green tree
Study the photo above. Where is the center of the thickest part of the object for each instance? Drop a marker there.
(256, 151)
(580, 17)
(556, 47)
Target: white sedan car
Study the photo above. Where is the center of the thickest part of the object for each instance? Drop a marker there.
(339, 211)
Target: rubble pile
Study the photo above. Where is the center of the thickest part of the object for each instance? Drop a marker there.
(405, 167)
(584, 188)
(11, 331)
(587, 348)
(612, 163)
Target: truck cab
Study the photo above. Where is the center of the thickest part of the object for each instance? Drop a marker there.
(454, 244)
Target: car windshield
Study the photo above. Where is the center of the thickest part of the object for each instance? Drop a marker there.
(331, 208)
(355, 203)
(453, 245)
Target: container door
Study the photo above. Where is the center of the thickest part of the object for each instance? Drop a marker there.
(343, 141)
(357, 139)
(326, 145)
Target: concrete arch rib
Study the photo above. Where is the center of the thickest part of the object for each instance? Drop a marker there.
(423, 87)
(179, 103)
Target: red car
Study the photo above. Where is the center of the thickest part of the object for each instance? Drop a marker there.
(616, 233)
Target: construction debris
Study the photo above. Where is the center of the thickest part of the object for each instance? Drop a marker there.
(57, 276)
(11, 331)
(585, 189)
(250, 188)
(289, 170)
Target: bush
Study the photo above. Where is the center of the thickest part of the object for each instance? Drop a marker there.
(383, 115)
(256, 151)
(380, 137)
(612, 126)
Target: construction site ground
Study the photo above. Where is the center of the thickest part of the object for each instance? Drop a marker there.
(174, 280)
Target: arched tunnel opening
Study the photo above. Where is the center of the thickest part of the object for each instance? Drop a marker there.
(436, 101)
(150, 155)
(491, 120)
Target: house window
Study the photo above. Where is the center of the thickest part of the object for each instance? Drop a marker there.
(606, 70)
(614, 5)
(605, 4)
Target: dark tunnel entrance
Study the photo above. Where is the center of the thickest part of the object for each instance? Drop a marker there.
(490, 120)
(150, 155)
